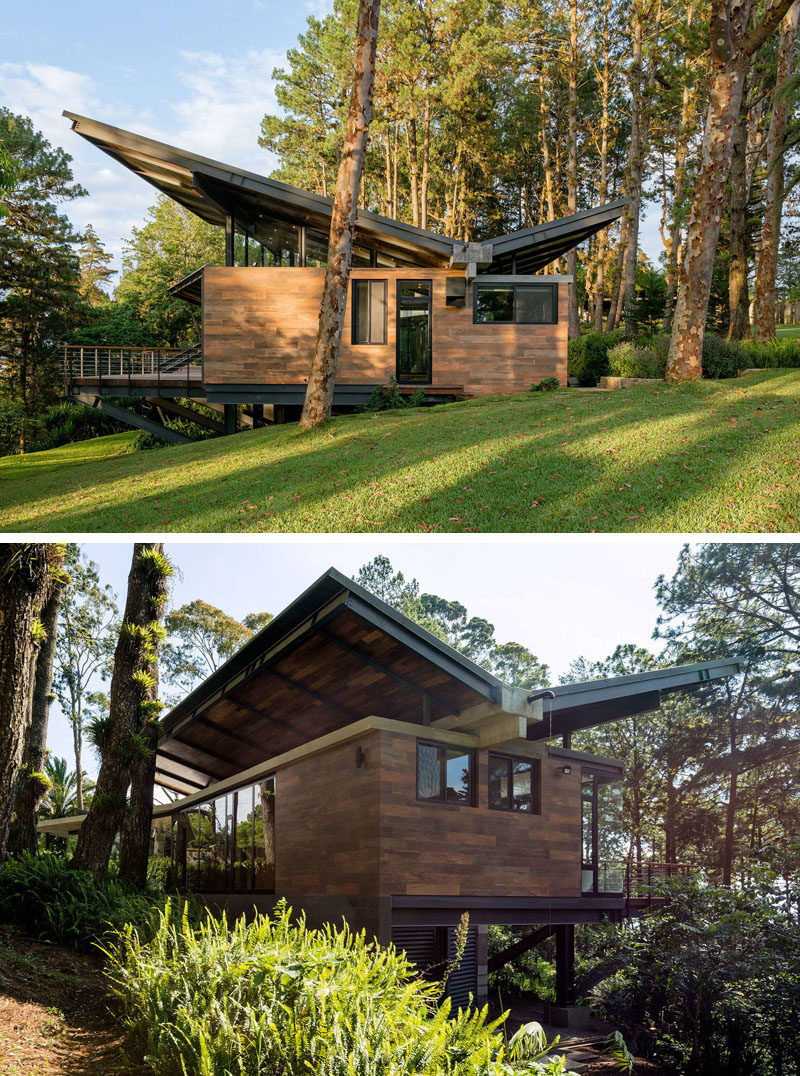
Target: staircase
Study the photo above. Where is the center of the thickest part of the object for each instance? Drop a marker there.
(187, 357)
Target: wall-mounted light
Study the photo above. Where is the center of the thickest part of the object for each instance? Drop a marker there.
(361, 758)
(566, 770)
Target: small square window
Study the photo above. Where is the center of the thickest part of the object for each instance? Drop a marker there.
(369, 312)
(535, 304)
(514, 784)
(444, 774)
(494, 302)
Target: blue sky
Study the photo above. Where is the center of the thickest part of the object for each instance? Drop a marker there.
(196, 75)
(562, 598)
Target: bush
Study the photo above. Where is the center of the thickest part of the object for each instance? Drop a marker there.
(776, 355)
(13, 425)
(46, 898)
(269, 997)
(389, 398)
(547, 384)
(627, 359)
(588, 356)
(721, 358)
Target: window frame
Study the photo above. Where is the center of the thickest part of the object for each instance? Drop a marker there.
(354, 311)
(514, 285)
(536, 783)
(443, 746)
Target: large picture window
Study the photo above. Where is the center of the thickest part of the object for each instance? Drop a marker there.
(514, 784)
(369, 312)
(521, 304)
(445, 774)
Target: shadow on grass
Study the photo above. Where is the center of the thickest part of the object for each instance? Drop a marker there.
(511, 472)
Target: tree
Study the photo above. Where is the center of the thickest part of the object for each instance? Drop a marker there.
(59, 800)
(171, 243)
(322, 378)
(732, 42)
(33, 782)
(201, 637)
(27, 572)
(84, 647)
(767, 253)
(95, 268)
(128, 745)
(38, 269)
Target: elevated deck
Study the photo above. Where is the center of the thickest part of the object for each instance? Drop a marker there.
(132, 371)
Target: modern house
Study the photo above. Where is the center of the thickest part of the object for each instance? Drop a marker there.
(455, 319)
(349, 761)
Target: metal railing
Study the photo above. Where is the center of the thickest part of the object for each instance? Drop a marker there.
(641, 882)
(86, 363)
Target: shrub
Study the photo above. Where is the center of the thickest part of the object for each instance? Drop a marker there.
(270, 996)
(46, 898)
(776, 355)
(64, 423)
(389, 398)
(13, 424)
(721, 358)
(627, 359)
(547, 384)
(588, 356)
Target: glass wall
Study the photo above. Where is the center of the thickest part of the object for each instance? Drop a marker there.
(279, 243)
(603, 839)
(228, 843)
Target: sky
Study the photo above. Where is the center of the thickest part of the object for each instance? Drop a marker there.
(562, 598)
(196, 75)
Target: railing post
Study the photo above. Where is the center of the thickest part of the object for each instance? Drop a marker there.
(81, 362)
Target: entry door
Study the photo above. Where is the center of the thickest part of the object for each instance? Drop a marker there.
(414, 342)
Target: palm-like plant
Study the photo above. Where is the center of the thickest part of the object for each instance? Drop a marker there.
(60, 800)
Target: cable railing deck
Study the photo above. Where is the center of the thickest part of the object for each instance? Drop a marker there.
(86, 366)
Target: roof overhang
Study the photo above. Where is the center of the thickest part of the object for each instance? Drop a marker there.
(582, 706)
(336, 655)
(189, 287)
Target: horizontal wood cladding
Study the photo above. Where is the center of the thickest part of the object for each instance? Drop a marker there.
(440, 849)
(327, 834)
(260, 326)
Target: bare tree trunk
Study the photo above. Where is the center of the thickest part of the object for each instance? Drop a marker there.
(132, 709)
(615, 309)
(26, 576)
(604, 78)
(321, 381)
(767, 253)
(678, 192)
(547, 164)
(731, 48)
(730, 811)
(426, 153)
(738, 297)
(574, 325)
(32, 785)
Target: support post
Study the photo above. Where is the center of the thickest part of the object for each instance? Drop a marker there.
(258, 416)
(229, 252)
(230, 419)
(565, 965)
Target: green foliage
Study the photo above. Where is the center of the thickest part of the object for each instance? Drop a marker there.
(270, 996)
(721, 358)
(547, 384)
(588, 356)
(49, 900)
(389, 398)
(156, 565)
(38, 633)
(201, 637)
(95, 268)
(776, 355)
(14, 427)
(710, 984)
(529, 973)
(617, 1050)
(628, 359)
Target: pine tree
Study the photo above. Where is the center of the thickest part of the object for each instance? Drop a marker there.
(95, 268)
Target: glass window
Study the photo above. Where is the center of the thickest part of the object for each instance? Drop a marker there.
(444, 774)
(514, 784)
(369, 312)
(535, 304)
(494, 302)
(278, 243)
(414, 289)
(362, 257)
(264, 835)
(316, 248)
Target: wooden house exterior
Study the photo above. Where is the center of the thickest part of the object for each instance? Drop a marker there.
(353, 764)
(453, 319)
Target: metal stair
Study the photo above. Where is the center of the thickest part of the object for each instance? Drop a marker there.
(183, 358)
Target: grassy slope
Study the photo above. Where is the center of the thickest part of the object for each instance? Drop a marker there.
(716, 456)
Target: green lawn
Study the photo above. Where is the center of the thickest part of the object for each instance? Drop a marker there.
(716, 456)
(784, 331)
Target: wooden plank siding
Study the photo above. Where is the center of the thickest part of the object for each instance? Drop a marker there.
(348, 837)
(260, 326)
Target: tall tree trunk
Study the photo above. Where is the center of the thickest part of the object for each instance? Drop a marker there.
(767, 253)
(413, 167)
(574, 325)
(32, 785)
(738, 297)
(322, 379)
(26, 575)
(131, 709)
(615, 310)
(678, 193)
(604, 78)
(731, 49)
(547, 164)
(730, 811)
(426, 163)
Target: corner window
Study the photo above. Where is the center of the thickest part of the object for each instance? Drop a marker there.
(514, 784)
(444, 774)
(522, 304)
(369, 312)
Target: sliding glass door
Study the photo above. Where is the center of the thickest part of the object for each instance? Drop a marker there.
(414, 332)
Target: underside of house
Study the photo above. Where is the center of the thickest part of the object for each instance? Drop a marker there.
(354, 764)
(450, 318)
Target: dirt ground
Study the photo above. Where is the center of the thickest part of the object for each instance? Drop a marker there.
(54, 1017)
